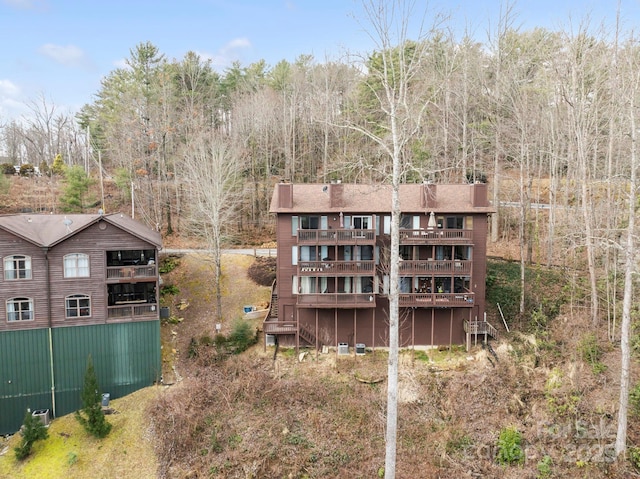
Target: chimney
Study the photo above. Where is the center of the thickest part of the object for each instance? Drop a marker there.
(336, 191)
(285, 195)
(428, 197)
(479, 194)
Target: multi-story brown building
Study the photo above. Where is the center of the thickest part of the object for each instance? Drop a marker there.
(74, 286)
(332, 275)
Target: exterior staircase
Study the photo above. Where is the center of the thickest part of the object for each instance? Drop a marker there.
(307, 335)
(273, 305)
(271, 325)
(480, 327)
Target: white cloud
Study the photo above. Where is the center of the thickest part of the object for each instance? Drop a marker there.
(69, 55)
(8, 88)
(11, 109)
(228, 53)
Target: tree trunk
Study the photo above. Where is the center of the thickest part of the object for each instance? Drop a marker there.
(629, 271)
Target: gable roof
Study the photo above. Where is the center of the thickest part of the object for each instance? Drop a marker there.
(358, 198)
(48, 230)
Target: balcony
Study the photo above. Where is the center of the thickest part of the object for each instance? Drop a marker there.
(337, 300)
(437, 236)
(336, 237)
(134, 309)
(336, 268)
(128, 272)
(436, 300)
(435, 266)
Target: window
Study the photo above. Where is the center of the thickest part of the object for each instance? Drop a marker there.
(17, 267)
(455, 222)
(78, 305)
(309, 222)
(361, 222)
(19, 309)
(76, 265)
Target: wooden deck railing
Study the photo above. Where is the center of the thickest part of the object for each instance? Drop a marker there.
(436, 300)
(337, 300)
(418, 236)
(333, 268)
(341, 237)
(480, 327)
(132, 310)
(447, 266)
(125, 272)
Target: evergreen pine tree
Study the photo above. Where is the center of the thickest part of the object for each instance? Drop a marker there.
(91, 415)
(32, 430)
(76, 187)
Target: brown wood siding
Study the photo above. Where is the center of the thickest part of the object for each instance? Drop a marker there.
(478, 280)
(422, 326)
(94, 241)
(34, 288)
(371, 327)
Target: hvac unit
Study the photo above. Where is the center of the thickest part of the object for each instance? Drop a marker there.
(270, 339)
(343, 348)
(360, 349)
(43, 415)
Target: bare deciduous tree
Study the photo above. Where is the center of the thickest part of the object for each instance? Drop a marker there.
(212, 171)
(393, 71)
(629, 251)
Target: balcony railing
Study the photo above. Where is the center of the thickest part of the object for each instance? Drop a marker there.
(336, 268)
(436, 300)
(337, 300)
(439, 266)
(273, 326)
(126, 272)
(436, 236)
(331, 237)
(134, 310)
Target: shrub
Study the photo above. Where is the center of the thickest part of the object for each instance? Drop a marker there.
(263, 271)
(168, 264)
(44, 168)
(591, 352)
(169, 289)
(458, 442)
(58, 166)
(91, 415)
(510, 447)
(544, 467)
(242, 336)
(7, 169)
(634, 456)
(634, 400)
(32, 430)
(27, 169)
(560, 402)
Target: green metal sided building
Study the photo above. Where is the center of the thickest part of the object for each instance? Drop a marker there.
(71, 287)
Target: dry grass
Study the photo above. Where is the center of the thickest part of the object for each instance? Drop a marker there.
(255, 417)
(127, 452)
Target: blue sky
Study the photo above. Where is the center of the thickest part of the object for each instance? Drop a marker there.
(58, 50)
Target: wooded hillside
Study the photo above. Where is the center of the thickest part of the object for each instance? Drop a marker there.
(547, 118)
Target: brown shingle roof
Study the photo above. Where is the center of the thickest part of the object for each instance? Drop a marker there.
(48, 230)
(315, 198)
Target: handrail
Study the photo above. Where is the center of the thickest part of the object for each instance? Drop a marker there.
(480, 327)
(143, 271)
